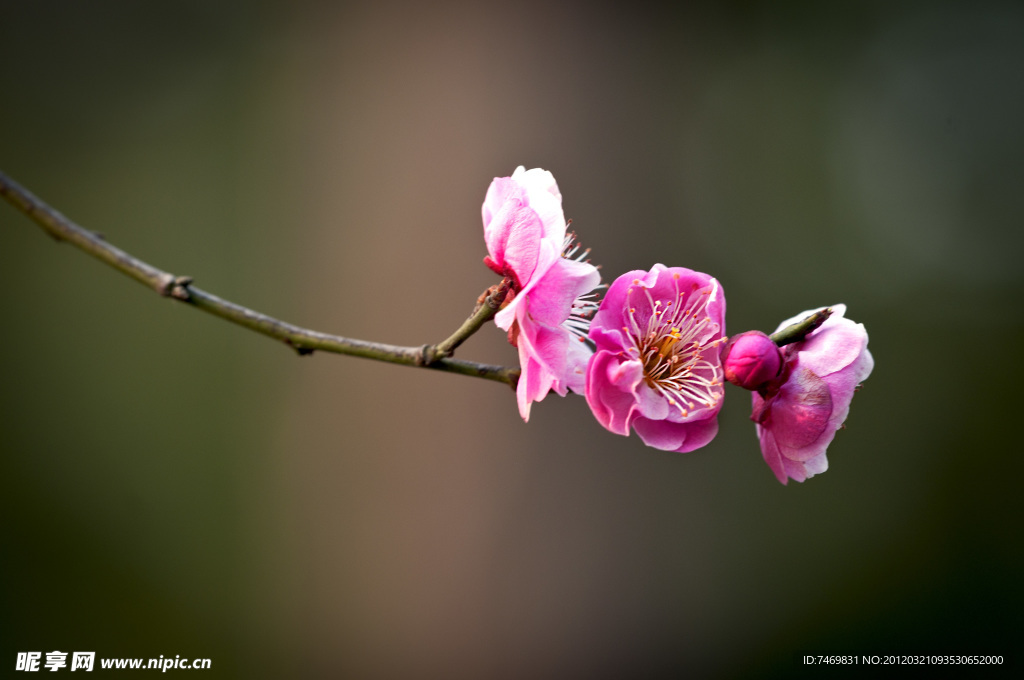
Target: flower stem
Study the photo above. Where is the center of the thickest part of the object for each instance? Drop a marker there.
(801, 329)
(302, 340)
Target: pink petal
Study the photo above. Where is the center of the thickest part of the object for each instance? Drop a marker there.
(547, 257)
(842, 385)
(637, 300)
(611, 339)
(816, 465)
(534, 383)
(800, 413)
(770, 453)
(545, 199)
(833, 347)
(679, 437)
(606, 326)
(501, 191)
(651, 404)
(574, 377)
(565, 280)
(522, 242)
(609, 390)
(794, 470)
(666, 286)
(549, 346)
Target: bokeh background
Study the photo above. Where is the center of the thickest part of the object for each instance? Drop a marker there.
(175, 485)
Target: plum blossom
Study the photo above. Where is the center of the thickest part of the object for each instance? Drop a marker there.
(547, 308)
(798, 413)
(656, 366)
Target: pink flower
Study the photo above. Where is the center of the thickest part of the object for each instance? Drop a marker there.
(546, 317)
(656, 367)
(798, 414)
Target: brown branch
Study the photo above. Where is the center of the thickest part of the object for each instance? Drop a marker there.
(302, 340)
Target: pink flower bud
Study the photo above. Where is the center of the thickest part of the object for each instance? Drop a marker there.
(750, 360)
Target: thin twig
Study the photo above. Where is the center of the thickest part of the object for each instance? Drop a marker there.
(485, 311)
(180, 288)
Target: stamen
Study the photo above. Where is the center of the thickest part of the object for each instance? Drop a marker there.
(671, 351)
(570, 248)
(585, 305)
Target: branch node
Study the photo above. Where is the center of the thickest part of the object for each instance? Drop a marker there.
(164, 284)
(299, 349)
(425, 356)
(179, 287)
(497, 294)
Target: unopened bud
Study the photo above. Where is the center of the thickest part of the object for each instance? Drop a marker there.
(750, 360)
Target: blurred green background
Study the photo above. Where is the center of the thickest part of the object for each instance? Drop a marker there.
(176, 485)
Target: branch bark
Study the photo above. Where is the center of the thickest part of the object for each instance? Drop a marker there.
(302, 340)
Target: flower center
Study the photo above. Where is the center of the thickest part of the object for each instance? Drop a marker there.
(677, 363)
